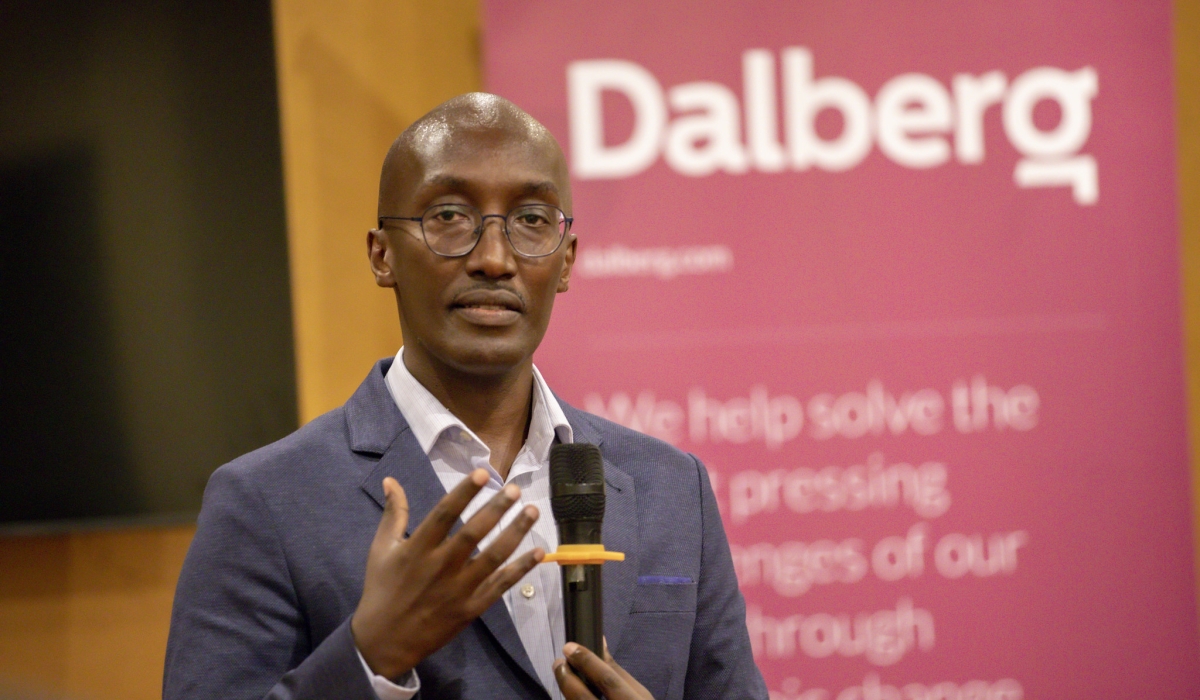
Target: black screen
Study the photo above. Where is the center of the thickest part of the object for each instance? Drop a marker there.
(145, 324)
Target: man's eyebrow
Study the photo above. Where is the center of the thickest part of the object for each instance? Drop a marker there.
(454, 182)
(543, 187)
(447, 181)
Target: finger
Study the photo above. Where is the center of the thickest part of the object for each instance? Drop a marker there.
(572, 688)
(395, 512)
(617, 667)
(434, 527)
(460, 546)
(503, 546)
(603, 677)
(505, 578)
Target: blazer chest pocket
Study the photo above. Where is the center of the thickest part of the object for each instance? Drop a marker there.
(660, 594)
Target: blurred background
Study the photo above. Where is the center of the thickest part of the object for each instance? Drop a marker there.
(184, 190)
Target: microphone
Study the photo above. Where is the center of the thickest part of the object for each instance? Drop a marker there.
(577, 501)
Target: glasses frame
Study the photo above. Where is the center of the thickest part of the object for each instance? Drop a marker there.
(568, 220)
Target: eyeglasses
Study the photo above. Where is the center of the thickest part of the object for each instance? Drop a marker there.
(453, 230)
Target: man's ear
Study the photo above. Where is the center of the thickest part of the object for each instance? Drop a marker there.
(564, 279)
(378, 247)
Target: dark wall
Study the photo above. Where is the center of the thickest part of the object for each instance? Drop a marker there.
(145, 325)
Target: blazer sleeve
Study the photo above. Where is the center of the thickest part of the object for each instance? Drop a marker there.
(721, 663)
(238, 630)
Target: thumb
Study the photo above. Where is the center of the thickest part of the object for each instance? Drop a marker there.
(395, 511)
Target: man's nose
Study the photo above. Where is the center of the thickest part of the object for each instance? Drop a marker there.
(492, 256)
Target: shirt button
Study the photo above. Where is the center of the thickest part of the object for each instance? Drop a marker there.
(528, 590)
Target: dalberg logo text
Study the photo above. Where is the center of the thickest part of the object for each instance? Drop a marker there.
(917, 121)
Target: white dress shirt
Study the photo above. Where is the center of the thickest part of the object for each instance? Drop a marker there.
(535, 602)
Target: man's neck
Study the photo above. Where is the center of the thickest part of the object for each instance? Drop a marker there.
(497, 408)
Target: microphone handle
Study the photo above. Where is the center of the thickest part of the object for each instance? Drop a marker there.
(583, 606)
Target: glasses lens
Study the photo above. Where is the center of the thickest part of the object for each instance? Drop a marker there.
(450, 229)
(536, 229)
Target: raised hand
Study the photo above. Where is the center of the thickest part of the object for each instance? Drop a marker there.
(419, 592)
(613, 682)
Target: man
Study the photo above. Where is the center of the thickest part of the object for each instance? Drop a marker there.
(296, 587)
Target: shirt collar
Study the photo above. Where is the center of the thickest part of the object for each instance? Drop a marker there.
(429, 419)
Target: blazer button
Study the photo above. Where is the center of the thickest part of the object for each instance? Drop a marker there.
(528, 590)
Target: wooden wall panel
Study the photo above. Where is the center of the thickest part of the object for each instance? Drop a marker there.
(1187, 111)
(85, 615)
(351, 77)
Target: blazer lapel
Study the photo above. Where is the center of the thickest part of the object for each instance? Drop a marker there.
(620, 533)
(402, 458)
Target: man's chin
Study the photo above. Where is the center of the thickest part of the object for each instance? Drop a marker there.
(492, 357)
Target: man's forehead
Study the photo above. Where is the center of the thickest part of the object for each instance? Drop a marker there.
(469, 159)
(471, 136)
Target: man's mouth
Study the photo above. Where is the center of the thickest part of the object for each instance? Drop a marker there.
(489, 307)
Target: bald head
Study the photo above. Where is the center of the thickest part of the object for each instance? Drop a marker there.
(469, 124)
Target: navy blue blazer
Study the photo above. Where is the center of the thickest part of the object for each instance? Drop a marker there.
(276, 569)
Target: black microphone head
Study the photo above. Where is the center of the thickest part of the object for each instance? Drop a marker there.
(576, 483)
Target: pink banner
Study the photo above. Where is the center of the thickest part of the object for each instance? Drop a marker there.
(904, 275)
